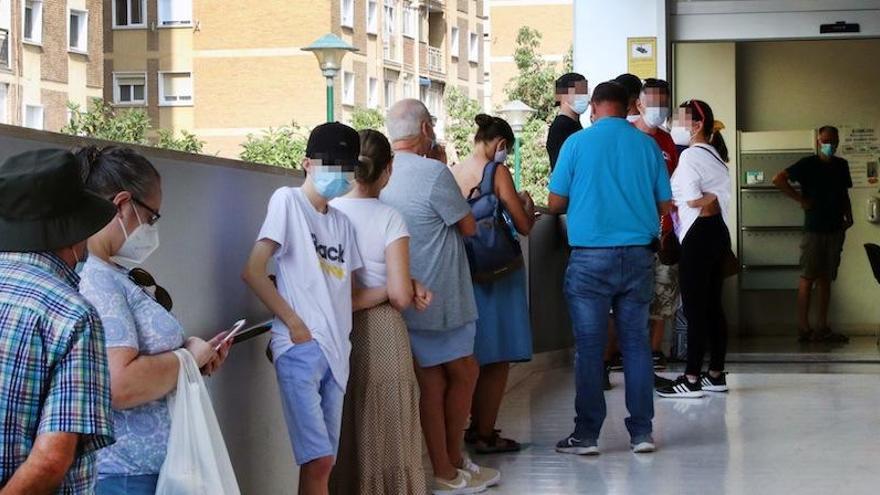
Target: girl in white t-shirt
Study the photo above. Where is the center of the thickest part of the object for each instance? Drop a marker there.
(380, 447)
(701, 191)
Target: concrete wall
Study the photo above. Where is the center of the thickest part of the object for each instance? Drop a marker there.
(212, 210)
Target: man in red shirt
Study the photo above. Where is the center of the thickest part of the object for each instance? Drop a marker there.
(653, 105)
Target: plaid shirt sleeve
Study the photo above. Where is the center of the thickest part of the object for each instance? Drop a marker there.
(78, 399)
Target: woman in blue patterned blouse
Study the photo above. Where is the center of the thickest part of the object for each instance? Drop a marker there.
(141, 333)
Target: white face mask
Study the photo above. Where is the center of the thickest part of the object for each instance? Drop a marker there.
(580, 103)
(681, 135)
(632, 119)
(138, 245)
(656, 116)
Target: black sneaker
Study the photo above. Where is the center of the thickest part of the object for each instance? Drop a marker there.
(681, 388)
(659, 360)
(661, 382)
(616, 363)
(607, 384)
(571, 445)
(710, 384)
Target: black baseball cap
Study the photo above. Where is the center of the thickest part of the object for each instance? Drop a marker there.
(334, 144)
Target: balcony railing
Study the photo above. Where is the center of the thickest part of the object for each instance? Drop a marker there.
(4, 48)
(435, 60)
(391, 49)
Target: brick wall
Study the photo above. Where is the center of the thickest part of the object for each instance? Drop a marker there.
(463, 5)
(108, 80)
(481, 76)
(409, 53)
(95, 75)
(152, 19)
(54, 109)
(360, 83)
(107, 25)
(53, 62)
(463, 46)
(359, 38)
(153, 90)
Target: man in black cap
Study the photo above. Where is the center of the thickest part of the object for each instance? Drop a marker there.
(572, 98)
(315, 251)
(54, 383)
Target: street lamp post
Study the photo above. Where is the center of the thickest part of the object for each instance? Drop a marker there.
(330, 50)
(517, 113)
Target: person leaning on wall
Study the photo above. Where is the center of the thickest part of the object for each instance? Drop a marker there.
(824, 196)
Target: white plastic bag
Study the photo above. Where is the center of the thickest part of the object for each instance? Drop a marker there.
(197, 462)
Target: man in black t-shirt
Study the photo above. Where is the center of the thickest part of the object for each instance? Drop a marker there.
(824, 181)
(572, 98)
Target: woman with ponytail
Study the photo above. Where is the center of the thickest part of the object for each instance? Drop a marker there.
(504, 334)
(380, 448)
(701, 190)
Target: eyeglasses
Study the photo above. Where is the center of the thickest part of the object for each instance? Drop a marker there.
(154, 215)
(142, 278)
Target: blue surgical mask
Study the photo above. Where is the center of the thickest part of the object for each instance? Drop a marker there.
(827, 149)
(80, 263)
(580, 104)
(656, 116)
(331, 183)
(501, 155)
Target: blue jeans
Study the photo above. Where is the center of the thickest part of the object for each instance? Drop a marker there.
(596, 281)
(128, 485)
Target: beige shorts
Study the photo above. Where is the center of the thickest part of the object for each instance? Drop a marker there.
(820, 254)
(666, 291)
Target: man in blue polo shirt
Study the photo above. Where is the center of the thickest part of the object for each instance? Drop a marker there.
(612, 181)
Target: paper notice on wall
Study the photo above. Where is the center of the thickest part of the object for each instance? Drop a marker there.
(860, 146)
(641, 58)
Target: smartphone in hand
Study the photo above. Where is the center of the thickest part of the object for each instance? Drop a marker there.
(236, 328)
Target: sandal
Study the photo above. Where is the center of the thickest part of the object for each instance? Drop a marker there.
(829, 335)
(471, 436)
(496, 445)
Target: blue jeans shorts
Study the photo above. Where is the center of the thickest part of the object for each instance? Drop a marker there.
(312, 402)
(127, 485)
(436, 347)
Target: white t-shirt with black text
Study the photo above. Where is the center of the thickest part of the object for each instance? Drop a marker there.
(377, 225)
(316, 257)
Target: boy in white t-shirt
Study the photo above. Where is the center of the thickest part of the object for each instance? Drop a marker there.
(315, 251)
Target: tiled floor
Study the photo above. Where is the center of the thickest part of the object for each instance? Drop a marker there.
(775, 433)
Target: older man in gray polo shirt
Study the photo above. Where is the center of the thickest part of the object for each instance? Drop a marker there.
(442, 337)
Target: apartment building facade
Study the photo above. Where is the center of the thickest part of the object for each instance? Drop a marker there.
(225, 70)
(551, 18)
(51, 53)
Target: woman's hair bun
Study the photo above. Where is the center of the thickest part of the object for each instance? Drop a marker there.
(484, 120)
(87, 156)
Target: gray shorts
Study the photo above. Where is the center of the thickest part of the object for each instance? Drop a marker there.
(820, 254)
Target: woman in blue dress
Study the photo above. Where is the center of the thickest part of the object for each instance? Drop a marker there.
(504, 334)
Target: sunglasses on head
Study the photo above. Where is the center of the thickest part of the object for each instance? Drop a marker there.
(142, 278)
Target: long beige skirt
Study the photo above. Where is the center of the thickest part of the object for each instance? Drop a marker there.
(380, 449)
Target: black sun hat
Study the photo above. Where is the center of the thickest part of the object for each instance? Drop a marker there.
(44, 204)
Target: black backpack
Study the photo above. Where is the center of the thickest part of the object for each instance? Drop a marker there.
(494, 251)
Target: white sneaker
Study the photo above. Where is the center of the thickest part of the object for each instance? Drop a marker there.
(481, 474)
(463, 484)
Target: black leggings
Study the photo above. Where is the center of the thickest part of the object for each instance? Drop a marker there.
(701, 279)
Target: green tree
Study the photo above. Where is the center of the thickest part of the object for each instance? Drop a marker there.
(104, 122)
(187, 142)
(282, 147)
(535, 162)
(367, 118)
(534, 83)
(460, 125)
